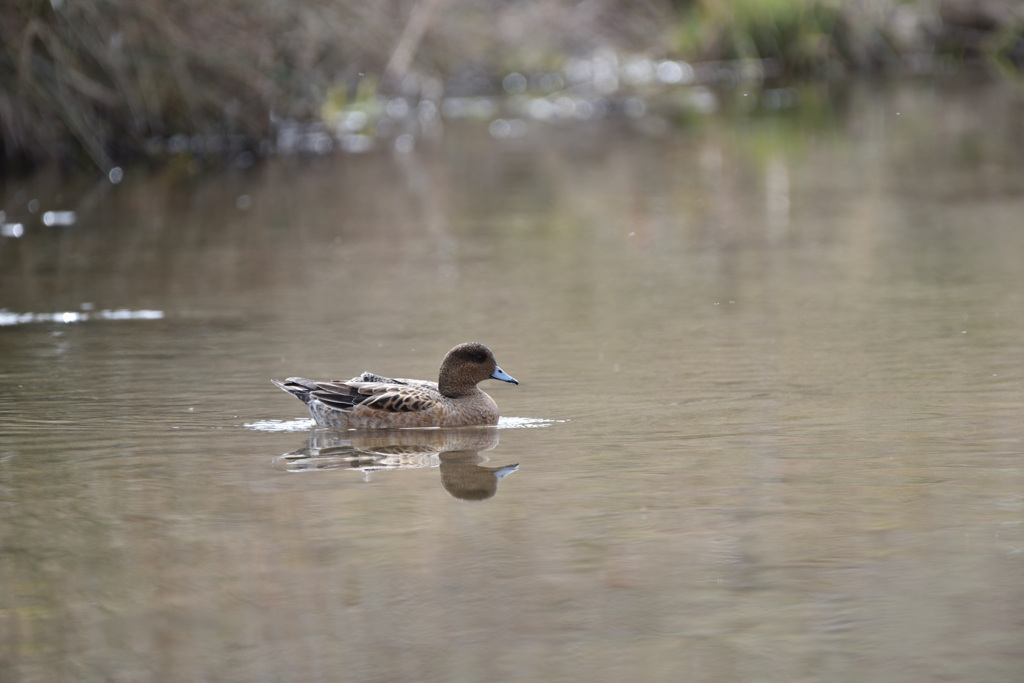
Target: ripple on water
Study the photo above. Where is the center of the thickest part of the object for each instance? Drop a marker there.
(303, 424)
(525, 422)
(299, 425)
(8, 318)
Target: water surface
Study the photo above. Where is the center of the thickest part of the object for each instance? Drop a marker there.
(771, 366)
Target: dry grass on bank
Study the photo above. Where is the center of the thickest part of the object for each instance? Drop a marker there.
(94, 82)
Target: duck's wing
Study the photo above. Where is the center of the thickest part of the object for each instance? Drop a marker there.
(391, 395)
(337, 393)
(372, 378)
(368, 391)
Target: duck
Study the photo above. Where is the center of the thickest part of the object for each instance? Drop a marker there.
(371, 401)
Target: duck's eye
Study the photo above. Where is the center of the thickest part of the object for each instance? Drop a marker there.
(479, 358)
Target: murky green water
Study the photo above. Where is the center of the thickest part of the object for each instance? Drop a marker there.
(769, 425)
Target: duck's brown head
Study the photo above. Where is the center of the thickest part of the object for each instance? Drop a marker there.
(466, 365)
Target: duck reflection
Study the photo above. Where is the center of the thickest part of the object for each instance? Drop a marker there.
(456, 452)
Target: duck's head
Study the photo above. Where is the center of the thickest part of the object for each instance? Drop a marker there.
(466, 365)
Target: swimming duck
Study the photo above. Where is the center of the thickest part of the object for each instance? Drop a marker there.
(371, 401)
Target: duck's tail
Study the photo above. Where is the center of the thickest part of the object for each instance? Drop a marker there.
(299, 387)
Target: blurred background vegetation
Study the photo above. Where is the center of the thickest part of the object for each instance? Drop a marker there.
(104, 82)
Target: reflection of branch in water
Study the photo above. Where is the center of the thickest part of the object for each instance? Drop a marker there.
(456, 452)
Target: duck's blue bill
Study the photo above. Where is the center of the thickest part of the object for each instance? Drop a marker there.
(503, 376)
